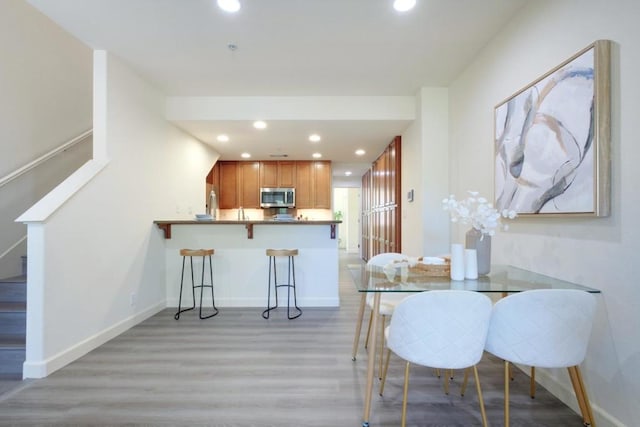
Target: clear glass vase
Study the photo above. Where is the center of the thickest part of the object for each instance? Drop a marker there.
(474, 239)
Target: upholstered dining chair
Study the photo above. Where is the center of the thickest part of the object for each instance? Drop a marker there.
(547, 328)
(444, 329)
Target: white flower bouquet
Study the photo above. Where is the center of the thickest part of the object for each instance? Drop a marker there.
(478, 212)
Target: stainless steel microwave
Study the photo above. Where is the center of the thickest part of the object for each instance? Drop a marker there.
(277, 197)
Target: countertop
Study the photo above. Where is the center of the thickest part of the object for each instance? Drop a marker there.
(165, 225)
(249, 221)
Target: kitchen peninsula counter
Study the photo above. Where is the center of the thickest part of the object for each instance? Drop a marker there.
(240, 264)
(166, 225)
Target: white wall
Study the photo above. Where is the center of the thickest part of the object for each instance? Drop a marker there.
(435, 156)
(411, 179)
(39, 113)
(598, 252)
(425, 154)
(341, 203)
(354, 235)
(347, 200)
(45, 82)
(100, 247)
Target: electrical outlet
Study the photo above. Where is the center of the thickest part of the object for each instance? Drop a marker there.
(132, 299)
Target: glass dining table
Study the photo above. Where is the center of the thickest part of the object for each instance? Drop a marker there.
(376, 280)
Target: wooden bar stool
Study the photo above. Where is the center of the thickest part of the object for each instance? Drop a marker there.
(291, 282)
(204, 253)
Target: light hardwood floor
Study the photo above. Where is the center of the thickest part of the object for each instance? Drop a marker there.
(237, 369)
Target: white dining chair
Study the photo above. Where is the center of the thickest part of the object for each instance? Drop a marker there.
(547, 328)
(388, 302)
(444, 329)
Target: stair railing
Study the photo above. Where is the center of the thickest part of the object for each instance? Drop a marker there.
(12, 247)
(26, 168)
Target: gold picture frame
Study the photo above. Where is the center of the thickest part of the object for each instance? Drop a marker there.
(552, 140)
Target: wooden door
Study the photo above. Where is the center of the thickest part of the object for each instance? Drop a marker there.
(365, 222)
(396, 192)
(393, 174)
(382, 190)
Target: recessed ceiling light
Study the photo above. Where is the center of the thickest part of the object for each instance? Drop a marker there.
(259, 124)
(314, 137)
(222, 138)
(316, 155)
(360, 152)
(404, 5)
(229, 5)
(245, 155)
(348, 173)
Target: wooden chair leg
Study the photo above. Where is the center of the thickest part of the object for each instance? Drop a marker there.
(405, 394)
(384, 372)
(532, 383)
(366, 341)
(464, 382)
(480, 398)
(581, 395)
(445, 383)
(507, 378)
(381, 338)
(356, 338)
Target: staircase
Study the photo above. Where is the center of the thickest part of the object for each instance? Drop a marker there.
(13, 325)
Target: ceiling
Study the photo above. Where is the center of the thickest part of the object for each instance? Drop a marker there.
(289, 48)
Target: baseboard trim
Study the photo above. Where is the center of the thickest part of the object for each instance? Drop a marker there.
(260, 302)
(564, 392)
(43, 368)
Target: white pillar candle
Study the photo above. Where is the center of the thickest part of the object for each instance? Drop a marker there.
(457, 262)
(470, 264)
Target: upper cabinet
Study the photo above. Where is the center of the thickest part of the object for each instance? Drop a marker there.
(287, 174)
(313, 185)
(249, 185)
(322, 184)
(238, 183)
(304, 185)
(280, 174)
(228, 197)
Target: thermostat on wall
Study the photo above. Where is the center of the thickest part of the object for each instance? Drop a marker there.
(410, 196)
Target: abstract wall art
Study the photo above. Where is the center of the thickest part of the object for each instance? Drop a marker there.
(552, 140)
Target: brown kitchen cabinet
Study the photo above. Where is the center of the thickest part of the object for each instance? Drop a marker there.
(228, 197)
(287, 174)
(238, 183)
(322, 184)
(313, 185)
(249, 185)
(278, 174)
(304, 185)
